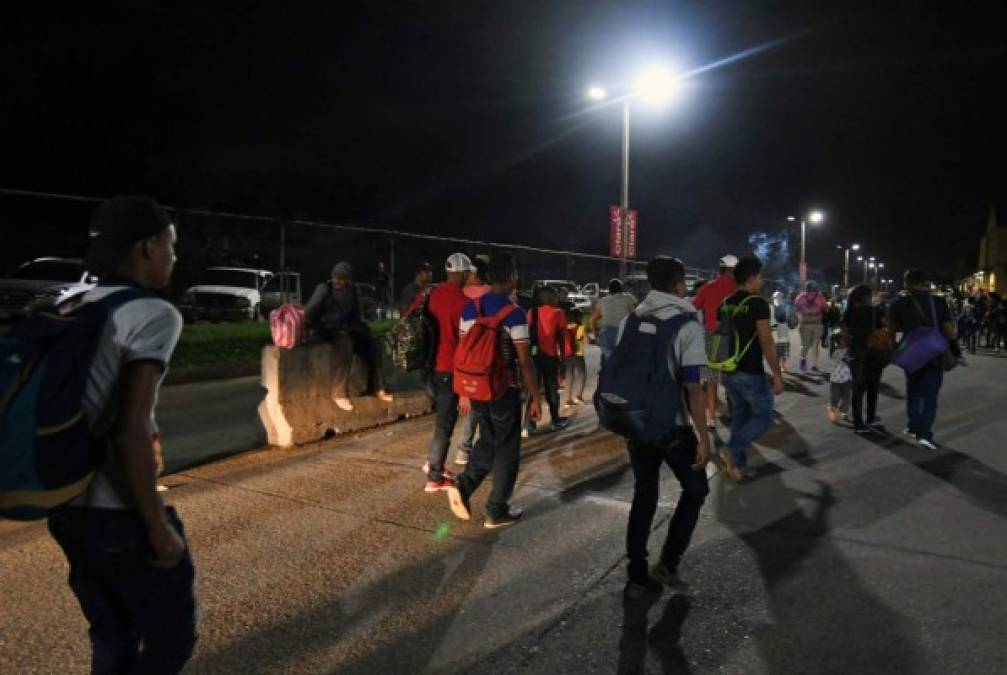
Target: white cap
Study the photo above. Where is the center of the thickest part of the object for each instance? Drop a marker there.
(729, 261)
(458, 262)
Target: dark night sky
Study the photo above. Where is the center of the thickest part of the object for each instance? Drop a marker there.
(469, 118)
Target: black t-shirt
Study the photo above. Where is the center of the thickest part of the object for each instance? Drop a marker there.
(745, 316)
(860, 322)
(908, 315)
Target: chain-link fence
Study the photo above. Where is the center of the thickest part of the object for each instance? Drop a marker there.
(37, 225)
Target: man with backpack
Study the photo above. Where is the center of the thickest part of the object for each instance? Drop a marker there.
(547, 326)
(750, 392)
(492, 359)
(445, 306)
(129, 564)
(661, 333)
(918, 308)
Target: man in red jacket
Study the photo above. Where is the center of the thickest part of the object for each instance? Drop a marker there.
(547, 324)
(445, 305)
(707, 301)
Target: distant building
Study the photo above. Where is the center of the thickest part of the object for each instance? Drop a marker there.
(992, 272)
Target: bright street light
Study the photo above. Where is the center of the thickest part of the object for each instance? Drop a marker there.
(855, 247)
(657, 85)
(816, 217)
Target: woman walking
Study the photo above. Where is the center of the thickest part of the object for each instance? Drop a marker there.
(869, 350)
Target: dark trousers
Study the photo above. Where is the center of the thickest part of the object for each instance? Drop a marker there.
(469, 427)
(646, 461)
(498, 450)
(866, 383)
(364, 345)
(446, 407)
(547, 377)
(576, 377)
(142, 618)
(922, 389)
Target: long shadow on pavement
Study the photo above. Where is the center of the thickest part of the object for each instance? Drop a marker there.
(664, 639)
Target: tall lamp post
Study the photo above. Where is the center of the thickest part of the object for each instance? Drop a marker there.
(814, 218)
(877, 273)
(846, 261)
(657, 86)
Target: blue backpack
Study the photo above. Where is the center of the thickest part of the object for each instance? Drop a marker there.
(637, 397)
(48, 455)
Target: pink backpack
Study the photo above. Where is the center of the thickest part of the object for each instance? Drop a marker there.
(287, 326)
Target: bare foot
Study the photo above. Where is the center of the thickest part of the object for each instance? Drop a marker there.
(344, 403)
(385, 396)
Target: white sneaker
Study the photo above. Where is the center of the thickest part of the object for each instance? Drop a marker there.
(907, 433)
(924, 443)
(524, 433)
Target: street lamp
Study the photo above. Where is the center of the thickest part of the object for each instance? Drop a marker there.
(877, 272)
(814, 217)
(846, 261)
(656, 85)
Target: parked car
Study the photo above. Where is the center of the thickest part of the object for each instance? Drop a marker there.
(592, 291)
(283, 284)
(43, 283)
(226, 294)
(573, 294)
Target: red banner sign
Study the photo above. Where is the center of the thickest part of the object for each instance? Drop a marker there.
(622, 232)
(615, 232)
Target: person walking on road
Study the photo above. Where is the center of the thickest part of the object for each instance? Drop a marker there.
(130, 566)
(686, 452)
(474, 289)
(781, 328)
(750, 392)
(334, 314)
(499, 446)
(609, 313)
(708, 301)
(862, 321)
(917, 307)
(547, 325)
(810, 306)
(445, 305)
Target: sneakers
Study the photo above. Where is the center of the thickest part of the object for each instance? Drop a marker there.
(441, 485)
(525, 433)
(459, 503)
(495, 522)
(560, 423)
(727, 465)
(447, 472)
(669, 578)
(641, 588)
(343, 403)
(926, 443)
(384, 396)
(908, 433)
(462, 457)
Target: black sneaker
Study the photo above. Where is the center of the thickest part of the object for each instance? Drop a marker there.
(664, 575)
(640, 588)
(560, 423)
(512, 516)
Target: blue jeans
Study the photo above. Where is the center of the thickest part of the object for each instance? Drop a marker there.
(922, 390)
(498, 451)
(446, 407)
(142, 618)
(607, 337)
(751, 411)
(646, 461)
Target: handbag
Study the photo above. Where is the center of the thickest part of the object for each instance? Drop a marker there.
(921, 346)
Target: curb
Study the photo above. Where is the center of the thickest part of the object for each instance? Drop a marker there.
(228, 371)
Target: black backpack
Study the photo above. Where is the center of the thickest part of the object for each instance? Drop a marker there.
(413, 339)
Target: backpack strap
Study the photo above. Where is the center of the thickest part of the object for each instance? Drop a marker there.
(498, 318)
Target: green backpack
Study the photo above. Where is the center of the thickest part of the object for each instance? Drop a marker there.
(725, 348)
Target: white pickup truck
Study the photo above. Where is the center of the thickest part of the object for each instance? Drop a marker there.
(43, 283)
(226, 294)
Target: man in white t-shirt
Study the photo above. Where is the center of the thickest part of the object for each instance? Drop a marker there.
(129, 564)
(609, 313)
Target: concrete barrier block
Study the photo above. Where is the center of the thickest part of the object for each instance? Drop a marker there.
(299, 409)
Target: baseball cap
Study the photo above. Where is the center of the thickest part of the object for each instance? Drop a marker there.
(119, 223)
(729, 261)
(458, 262)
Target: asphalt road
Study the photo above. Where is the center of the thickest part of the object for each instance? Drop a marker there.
(847, 555)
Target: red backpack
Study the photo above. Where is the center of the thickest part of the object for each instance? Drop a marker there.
(481, 373)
